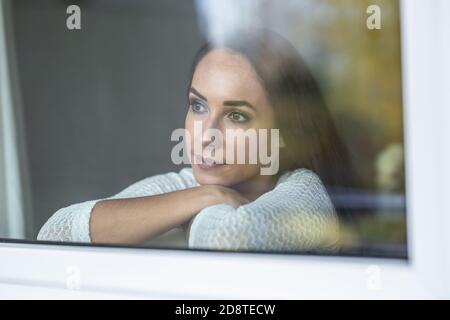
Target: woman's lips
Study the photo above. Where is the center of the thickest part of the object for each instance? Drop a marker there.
(206, 163)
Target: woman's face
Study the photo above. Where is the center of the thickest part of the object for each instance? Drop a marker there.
(225, 94)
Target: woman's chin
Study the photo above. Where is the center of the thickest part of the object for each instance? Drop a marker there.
(210, 175)
(224, 175)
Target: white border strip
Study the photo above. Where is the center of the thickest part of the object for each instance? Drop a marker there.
(426, 142)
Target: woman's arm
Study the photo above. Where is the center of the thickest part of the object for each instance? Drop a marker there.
(135, 220)
(72, 223)
(140, 212)
(296, 215)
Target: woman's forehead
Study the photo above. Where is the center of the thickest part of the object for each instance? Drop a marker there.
(224, 74)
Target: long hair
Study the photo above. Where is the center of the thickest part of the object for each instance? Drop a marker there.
(302, 116)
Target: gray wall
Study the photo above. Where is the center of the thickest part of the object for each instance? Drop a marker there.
(100, 103)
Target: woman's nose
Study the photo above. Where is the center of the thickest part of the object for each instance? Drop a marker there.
(211, 127)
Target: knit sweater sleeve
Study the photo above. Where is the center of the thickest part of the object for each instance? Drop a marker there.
(297, 215)
(72, 223)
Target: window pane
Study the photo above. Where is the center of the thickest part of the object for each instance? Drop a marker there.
(97, 91)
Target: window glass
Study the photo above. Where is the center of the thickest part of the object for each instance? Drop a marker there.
(114, 98)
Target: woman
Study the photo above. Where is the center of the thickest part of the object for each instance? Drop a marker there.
(255, 80)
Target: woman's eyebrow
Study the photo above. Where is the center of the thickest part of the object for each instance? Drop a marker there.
(198, 94)
(238, 103)
(228, 103)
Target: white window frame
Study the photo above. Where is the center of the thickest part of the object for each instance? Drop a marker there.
(50, 271)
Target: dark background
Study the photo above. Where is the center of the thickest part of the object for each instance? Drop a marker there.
(100, 103)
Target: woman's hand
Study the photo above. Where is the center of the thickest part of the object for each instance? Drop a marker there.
(137, 220)
(220, 194)
(227, 195)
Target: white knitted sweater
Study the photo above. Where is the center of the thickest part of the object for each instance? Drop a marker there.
(296, 215)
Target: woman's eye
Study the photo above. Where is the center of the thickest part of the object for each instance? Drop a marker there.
(197, 107)
(238, 117)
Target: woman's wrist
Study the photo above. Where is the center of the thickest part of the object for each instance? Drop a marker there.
(211, 195)
(216, 194)
(207, 195)
(204, 196)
